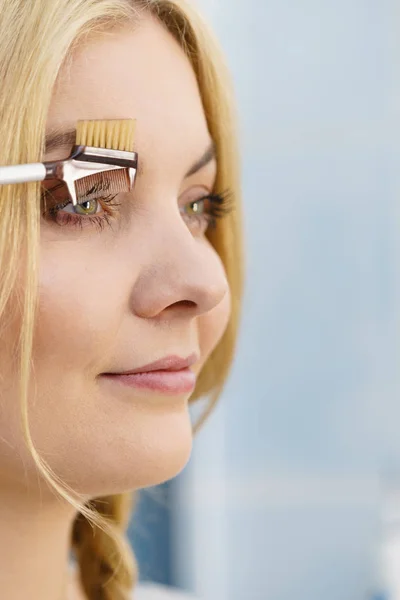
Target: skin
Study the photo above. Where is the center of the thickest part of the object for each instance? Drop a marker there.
(109, 301)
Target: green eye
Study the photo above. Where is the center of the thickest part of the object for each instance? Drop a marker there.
(196, 208)
(89, 207)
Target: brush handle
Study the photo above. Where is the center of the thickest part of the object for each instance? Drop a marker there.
(22, 173)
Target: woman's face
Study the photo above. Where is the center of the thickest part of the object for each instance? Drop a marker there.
(119, 297)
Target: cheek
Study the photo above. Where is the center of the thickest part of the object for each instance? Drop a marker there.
(78, 314)
(212, 326)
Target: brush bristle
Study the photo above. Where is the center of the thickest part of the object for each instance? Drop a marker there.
(114, 134)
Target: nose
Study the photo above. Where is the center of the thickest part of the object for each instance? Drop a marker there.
(182, 275)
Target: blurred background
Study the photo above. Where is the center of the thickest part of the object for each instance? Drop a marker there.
(292, 489)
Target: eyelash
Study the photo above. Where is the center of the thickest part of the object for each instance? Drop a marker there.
(220, 205)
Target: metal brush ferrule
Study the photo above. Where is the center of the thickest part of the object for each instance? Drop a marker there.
(88, 160)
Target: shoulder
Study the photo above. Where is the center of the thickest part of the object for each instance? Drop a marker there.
(153, 591)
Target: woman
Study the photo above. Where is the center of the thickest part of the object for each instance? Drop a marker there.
(80, 299)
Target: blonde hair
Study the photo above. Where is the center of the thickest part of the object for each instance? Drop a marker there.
(35, 42)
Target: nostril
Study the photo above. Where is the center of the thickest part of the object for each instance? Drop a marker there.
(184, 303)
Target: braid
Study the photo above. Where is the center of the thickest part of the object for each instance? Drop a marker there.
(107, 567)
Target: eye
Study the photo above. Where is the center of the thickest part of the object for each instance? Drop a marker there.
(87, 208)
(202, 213)
(197, 207)
(96, 200)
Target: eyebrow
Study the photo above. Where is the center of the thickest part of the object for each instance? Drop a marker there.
(66, 139)
(59, 139)
(209, 155)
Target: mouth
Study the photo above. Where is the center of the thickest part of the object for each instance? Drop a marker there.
(171, 375)
(167, 382)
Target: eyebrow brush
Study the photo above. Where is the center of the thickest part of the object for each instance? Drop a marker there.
(101, 145)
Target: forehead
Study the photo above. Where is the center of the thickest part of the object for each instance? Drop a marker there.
(139, 73)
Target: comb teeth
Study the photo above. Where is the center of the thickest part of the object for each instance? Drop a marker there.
(114, 134)
(112, 182)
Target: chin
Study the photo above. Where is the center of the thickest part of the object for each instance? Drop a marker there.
(146, 451)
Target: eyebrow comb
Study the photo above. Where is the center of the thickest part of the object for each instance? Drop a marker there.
(101, 145)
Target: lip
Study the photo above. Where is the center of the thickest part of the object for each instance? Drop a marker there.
(170, 375)
(168, 363)
(166, 382)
